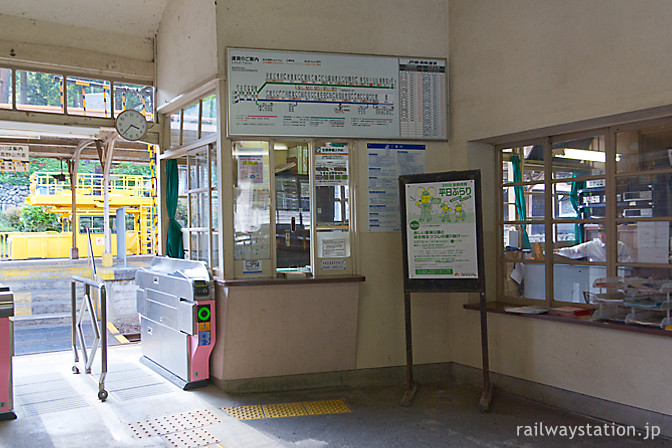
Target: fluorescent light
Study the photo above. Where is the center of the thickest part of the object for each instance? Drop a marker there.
(582, 154)
(31, 130)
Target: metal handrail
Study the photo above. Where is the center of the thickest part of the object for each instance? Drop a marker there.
(100, 328)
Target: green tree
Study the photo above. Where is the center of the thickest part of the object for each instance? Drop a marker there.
(10, 220)
(34, 218)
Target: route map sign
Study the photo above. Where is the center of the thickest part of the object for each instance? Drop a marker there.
(301, 94)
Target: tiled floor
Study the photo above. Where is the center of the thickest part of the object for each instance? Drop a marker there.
(58, 409)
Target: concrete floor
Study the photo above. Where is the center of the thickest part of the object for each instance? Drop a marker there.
(58, 409)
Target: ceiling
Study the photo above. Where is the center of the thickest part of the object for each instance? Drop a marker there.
(133, 17)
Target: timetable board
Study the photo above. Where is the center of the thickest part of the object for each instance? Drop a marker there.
(302, 94)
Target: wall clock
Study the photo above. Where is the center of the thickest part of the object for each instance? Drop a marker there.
(131, 125)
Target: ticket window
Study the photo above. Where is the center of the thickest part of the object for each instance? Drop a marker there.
(305, 228)
(292, 207)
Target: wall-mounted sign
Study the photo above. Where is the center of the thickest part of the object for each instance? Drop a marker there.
(16, 153)
(280, 93)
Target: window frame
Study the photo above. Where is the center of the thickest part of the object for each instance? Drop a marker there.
(611, 214)
(65, 77)
(207, 146)
(315, 270)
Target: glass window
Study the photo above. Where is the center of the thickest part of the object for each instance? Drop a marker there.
(175, 129)
(39, 92)
(5, 88)
(252, 204)
(292, 200)
(89, 97)
(190, 120)
(611, 216)
(332, 182)
(96, 224)
(579, 157)
(134, 96)
(209, 116)
(197, 206)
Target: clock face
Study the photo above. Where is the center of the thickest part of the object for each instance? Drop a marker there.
(131, 125)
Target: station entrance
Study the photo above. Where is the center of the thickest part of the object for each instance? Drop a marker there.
(58, 186)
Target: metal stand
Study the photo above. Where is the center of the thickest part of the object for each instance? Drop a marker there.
(99, 328)
(486, 396)
(411, 385)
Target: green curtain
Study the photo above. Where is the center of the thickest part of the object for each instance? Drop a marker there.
(174, 247)
(520, 199)
(574, 199)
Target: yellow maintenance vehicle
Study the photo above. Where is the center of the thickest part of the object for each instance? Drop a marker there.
(135, 193)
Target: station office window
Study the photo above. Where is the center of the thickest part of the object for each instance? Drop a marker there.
(611, 187)
(291, 208)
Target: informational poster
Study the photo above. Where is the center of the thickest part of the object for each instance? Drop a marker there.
(301, 94)
(251, 169)
(422, 93)
(331, 166)
(441, 230)
(387, 162)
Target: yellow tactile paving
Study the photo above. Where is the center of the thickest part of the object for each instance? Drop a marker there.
(326, 407)
(257, 412)
(245, 412)
(284, 410)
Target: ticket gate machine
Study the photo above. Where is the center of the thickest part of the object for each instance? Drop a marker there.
(6, 352)
(176, 304)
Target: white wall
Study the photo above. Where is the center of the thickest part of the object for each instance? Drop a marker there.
(386, 27)
(526, 64)
(186, 48)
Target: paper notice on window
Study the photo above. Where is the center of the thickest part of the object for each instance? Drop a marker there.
(653, 242)
(331, 166)
(251, 169)
(333, 248)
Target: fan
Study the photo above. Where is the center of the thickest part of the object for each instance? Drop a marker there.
(59, 177)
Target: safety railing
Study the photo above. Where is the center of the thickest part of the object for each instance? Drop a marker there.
(88, 308)
(91, 184)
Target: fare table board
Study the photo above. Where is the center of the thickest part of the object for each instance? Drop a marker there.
(442, 231)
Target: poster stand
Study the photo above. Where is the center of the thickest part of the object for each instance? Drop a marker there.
(442, 231)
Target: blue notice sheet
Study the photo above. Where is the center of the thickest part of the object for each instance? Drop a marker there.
(387, 162)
